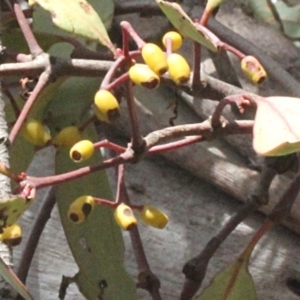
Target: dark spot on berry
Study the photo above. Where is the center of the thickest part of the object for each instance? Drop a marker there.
(102, 284)
(14, 241)
(86, 209)
(294, 285)
(113, 114)
(74, 217)
(76, 155)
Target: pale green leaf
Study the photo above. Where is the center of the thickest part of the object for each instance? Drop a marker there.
(182, 22)
(9, 276)
(262, 11)
(12, 208)
(232, 283)
(213, 4)
(290, 18)
(279, 15)
(77, 17)
(276, 126)
(96, 244)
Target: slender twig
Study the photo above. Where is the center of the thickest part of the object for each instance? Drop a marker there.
(39, 223)
(12, 100)
(138, 40)
(238, 100)
(138, 143)
(112, 71)
(146, 278)
(195, 269)
(33, 45)
(125, 41)
(203, 129)
(121, 186)
(109, 145)
(205, 17)
(196, 79)
(117, 82)
(176, 145)
(129, 156)
(42, 82)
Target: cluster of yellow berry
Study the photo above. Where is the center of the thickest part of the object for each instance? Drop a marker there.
(81, 208)
(38, 134)
(158, 63)
(106, 105)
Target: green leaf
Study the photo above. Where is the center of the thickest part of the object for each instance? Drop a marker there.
(77, 17)
(264, 12)
(279, 15)
(9, 276)
(12, 208)
(290, 18)
(71, 102)
(276, 129)
(13, 39)
(96, 244)
(182, 22)
(232, 283)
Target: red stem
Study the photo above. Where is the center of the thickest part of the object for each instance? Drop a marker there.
(112, 71)
(205, 17)
(42, 82)
(127, 26)
(109, 145)
(33, 45)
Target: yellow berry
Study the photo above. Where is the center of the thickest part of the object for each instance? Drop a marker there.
(82, 151)
(80, 209)
(36, 133)
(175, 38)
(253, 69)
(107, 106)
(155, 58)
(124, 216)
(141, 74)
(154, 217)
(67, 137)
(179, 69)
(12, 235)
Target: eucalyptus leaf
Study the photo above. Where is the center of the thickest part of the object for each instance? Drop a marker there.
(8, 275)
(278, 14)
(97, 243)
(233, 283)
(276, 129)
(186, 27)
(77, 17)
(262, 11)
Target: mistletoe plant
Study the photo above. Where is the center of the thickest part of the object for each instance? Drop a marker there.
(60, 110)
